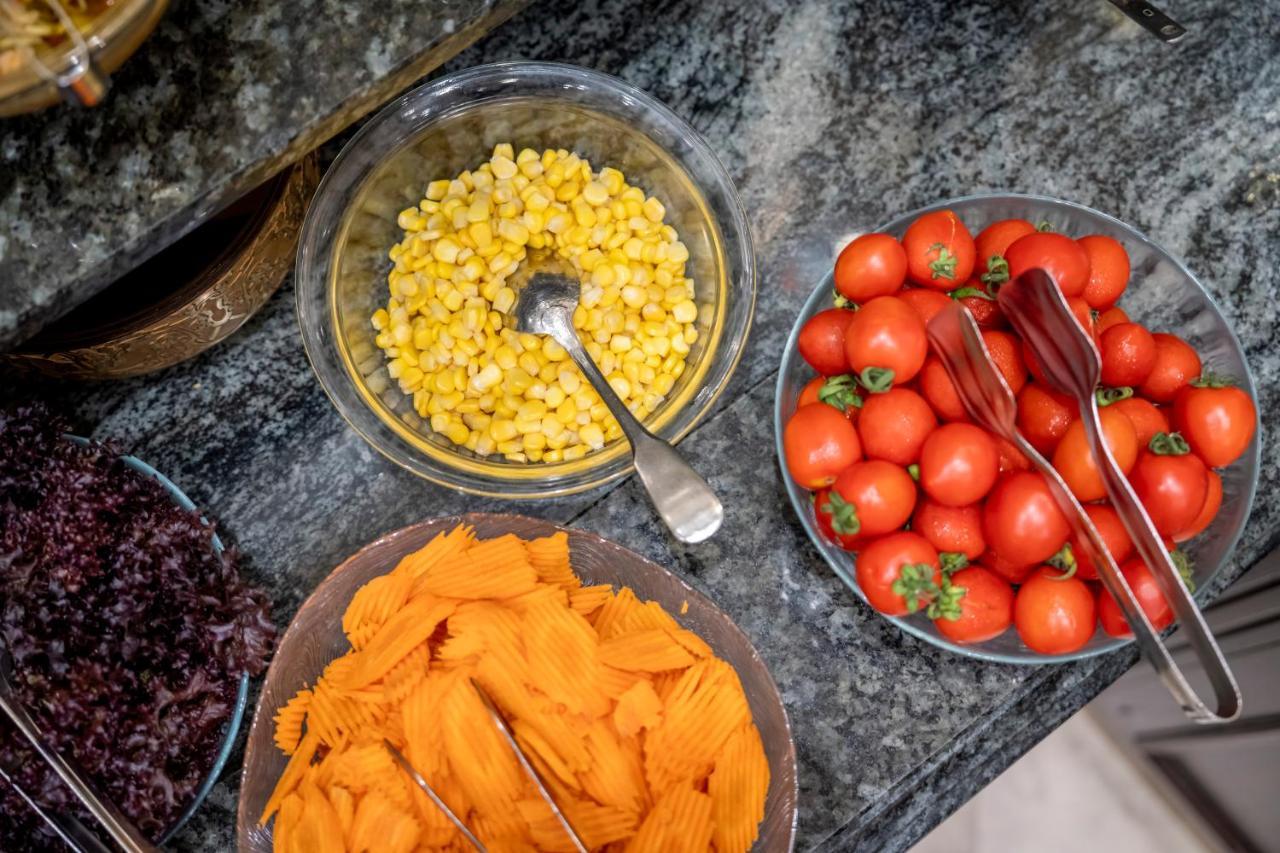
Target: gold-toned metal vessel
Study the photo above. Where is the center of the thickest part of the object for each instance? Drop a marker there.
(191, 315)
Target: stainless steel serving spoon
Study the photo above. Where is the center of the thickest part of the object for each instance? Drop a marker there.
(119, 827)
(545, 306)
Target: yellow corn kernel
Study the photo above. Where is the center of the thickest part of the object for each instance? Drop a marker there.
(620, 343)
(509, 449)
(516, 381)
(569, 378)
(513, 232)
(504, 168)
(592, 435)
(567, 411)
(555, 396)
(505, 357)
(502, 430)
(574, 452)
(489, 376)
(685, 311)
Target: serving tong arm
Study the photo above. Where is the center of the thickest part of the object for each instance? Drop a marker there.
(1070, 362)
(986, 397)
(119, 827)
(500, 723)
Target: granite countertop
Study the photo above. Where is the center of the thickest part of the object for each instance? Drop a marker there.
(218, 99)
(831, 117)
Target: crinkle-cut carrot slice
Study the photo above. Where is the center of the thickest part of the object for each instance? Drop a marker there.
(611, 618)
(488, 629)
(704, 708)
(564, 658)
(413, 625)
(539, 596)
(680, 821)
(649, 615)
(595, 824)
(344, 806)
(319, 830)
(650, 650)
(550, 559)
(494, 568)
(284, 835)
(638, 708)
(588, 599)
(482, 761)
(442, 547)
(292, 775)
(615, 776)
(737, 787)
(406, 674)
(288, 722)
(380, 825)
(373, 604)
(424, 724)
(559, 732)
(615, 682)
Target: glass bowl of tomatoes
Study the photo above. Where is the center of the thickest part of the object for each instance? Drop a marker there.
(944, 528)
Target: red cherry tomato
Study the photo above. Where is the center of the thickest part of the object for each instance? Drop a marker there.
(832, 513)
(926, 303)
(1053, 616)
(886, 334)
(1044, 415)
(819, 443)
(1128, 354)
(1172, 486)
(1176, 365)
(1150, 598)
(975, 297)
(1058, 255)
(985, 606)
(870, 266)
(958, 464)
(1074, 460)
(1218, 422)
(991, 245)
(894, 425)
(1108, 270)
(1147, 420)
(1005, 353)
(1111, 317)
(822, 341)
(880, 564)
(1208, 512)
(1014, 574)
(954, 529)
(1011, 458)
(940, 251)
(1114, 536)
(940, 392)
(1021, 521)
(838, 392)
(882, 495)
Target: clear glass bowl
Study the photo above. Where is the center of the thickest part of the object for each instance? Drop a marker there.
(315, 637)
(232, 726)
(451, 124)
(1162, 294)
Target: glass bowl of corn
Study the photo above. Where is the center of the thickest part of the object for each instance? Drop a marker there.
(421, 233)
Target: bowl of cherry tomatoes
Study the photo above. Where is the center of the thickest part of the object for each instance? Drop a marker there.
(946, 529)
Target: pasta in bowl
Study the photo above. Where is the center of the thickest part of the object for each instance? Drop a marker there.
(639, 702)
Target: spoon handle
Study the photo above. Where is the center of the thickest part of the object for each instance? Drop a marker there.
(682, 497)
(121, 830)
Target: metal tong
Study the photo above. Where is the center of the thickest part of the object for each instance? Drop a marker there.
(119, 827)
(1070, 362)
(538, 782)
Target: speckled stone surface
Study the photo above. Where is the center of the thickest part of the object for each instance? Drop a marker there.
(831, 117)
(220, 97)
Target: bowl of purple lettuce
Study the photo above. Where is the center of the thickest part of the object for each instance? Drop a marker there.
(132, 634)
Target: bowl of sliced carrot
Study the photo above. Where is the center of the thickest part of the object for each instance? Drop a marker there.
(641, 705)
